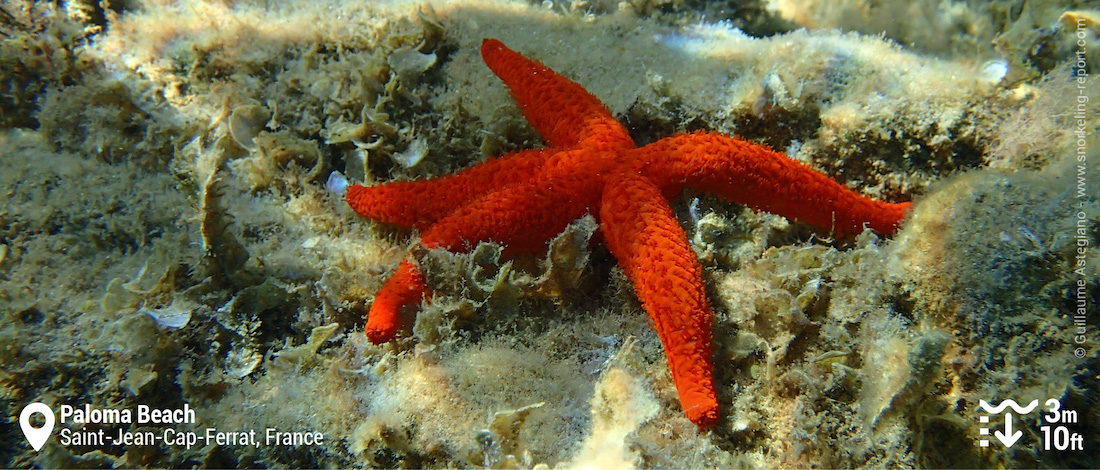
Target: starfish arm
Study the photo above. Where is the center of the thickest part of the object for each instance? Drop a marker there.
(561, 111)
(521, 217)
(642, 233)
(405, 287)
(764, 179)
(422, 202)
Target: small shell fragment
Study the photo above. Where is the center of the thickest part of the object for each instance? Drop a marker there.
(412, 155)
(174, 316)
(246, 122)
(337, 183)
(994, 70)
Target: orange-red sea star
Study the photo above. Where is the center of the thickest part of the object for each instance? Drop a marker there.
(592, 166)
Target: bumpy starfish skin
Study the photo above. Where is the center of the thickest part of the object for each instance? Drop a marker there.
(592, 166)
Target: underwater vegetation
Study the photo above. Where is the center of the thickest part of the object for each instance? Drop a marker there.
(173, 232)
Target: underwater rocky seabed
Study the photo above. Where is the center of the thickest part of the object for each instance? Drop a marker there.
(168, 235)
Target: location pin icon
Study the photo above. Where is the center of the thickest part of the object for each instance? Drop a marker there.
(36, 436)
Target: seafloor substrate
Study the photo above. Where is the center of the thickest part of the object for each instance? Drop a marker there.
(168, 235)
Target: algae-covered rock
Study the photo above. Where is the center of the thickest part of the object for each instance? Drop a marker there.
(167, 236)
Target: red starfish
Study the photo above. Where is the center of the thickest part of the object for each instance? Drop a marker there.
(524, 199)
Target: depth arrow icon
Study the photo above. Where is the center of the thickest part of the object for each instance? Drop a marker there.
(1008, 437)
